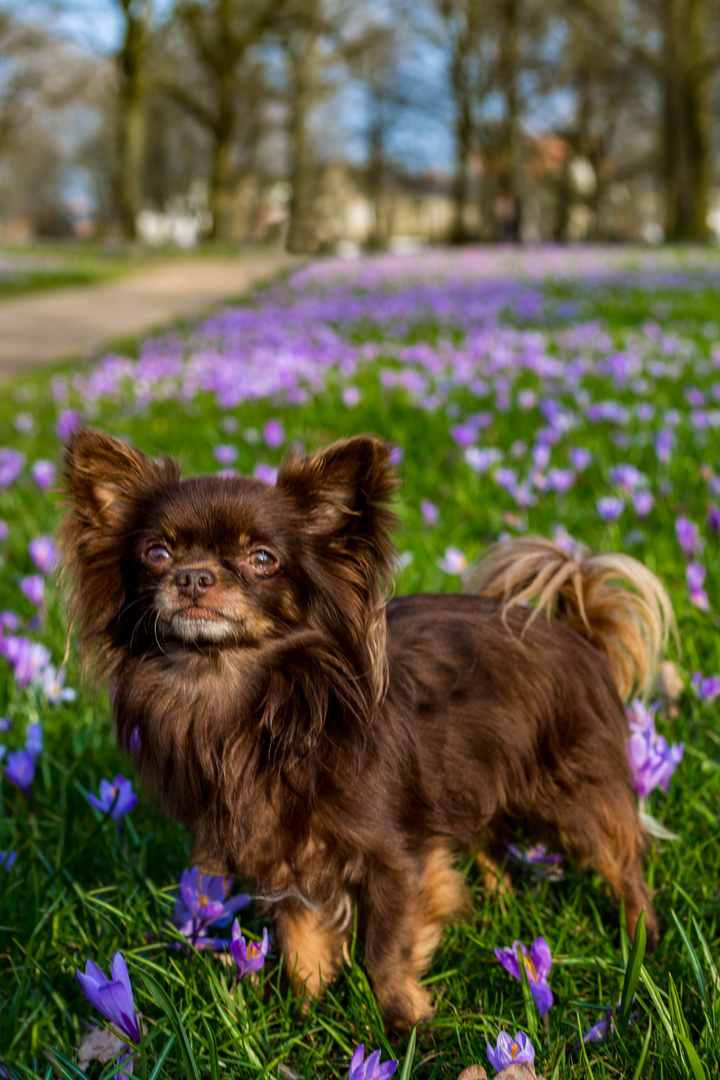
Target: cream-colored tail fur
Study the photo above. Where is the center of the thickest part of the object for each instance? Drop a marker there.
(612, 600)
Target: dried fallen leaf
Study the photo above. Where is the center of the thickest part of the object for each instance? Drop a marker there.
(100, 1044)
(473, 1072)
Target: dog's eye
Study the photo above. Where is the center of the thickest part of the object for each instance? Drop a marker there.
(157, 555)
(263, 560)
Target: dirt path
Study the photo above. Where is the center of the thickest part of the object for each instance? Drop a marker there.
(47, 327)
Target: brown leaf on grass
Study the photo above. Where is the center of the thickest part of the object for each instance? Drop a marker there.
(100, 1044)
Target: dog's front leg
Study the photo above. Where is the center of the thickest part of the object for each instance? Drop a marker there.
(407, 908)
(312, 940)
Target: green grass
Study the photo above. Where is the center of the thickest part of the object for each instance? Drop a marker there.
(77, 892)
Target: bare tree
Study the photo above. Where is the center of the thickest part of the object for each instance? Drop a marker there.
(676, 44)
(372, 52)
(221, 39)
(131, 64)
(462, 26)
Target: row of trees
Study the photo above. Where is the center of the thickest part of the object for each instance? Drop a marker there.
(224, 90)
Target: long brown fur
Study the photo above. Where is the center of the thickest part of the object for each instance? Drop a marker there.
(335, 747)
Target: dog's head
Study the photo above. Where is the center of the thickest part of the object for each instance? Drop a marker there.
(227, 562)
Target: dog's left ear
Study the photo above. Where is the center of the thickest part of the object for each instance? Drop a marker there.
(343, 492)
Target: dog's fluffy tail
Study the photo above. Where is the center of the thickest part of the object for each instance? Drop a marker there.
(612, 600)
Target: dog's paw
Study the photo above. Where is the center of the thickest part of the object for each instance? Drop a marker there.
(407, 1006)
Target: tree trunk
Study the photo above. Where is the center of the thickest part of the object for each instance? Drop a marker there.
(222, 186)
(131, 134)
(509, 72)
(463, 141)
(686, 153)
(302, 236)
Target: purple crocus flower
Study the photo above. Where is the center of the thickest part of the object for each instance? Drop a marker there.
(43, 554)
(370, 1069)
(538, 963)
(249, 957)
(4, 531)
(116, 798)
(713, 519)
(351, 397)
(34, 588)
(225, 454)
(34, 739)
(627, 477)
(464, 434)
(652, 761)
(11, 463)
(112, 997)
(266, 473)
(688, 536)
(429, 511)
(52, 684)
(204, 902)
(695, 574)
(706, 689)
(509, 1051)
(664, 444)
(7, 859)
(580, 458)
(643, 501)
(43, 473)
(453, 561)
(483, 459)
(560, 480)
(20, 770)
(28, 658)
(68, 421)
(542, 862)
(610, 508)
(605, 1026)
(274, 434)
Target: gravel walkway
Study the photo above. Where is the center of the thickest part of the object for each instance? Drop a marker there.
(44, 328)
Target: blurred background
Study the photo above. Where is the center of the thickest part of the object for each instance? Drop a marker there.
(341, 125)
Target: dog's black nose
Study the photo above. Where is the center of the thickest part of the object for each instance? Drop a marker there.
(194, 581)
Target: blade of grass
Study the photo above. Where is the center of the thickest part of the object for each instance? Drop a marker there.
(409, 1055)
(159, 1063)
(644, 1052)
(694, 959)
(632, 972)
(527, 995)
(162, 1000)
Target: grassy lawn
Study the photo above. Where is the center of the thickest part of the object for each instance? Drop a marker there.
(491, 372)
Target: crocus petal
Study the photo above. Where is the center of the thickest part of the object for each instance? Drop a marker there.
(356, 1059)
(508, 959)
(541, 957)
(542, 996)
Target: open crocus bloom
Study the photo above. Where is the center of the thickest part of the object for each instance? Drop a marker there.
(510, 1051)
(537, 964)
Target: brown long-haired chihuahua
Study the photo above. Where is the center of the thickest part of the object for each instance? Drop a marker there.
(336, 747)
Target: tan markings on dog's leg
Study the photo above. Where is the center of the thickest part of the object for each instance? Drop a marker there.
(495, 880)
(442, 896)
(313, 950)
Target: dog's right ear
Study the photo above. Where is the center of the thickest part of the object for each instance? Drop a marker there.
(104, 476)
